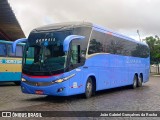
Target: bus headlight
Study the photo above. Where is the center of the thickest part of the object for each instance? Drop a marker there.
(23, 80)
(63, 79)
(58, 81)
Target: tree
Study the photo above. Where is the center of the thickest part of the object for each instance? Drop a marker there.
(154, 45)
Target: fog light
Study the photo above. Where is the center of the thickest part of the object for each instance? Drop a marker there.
(60, 89)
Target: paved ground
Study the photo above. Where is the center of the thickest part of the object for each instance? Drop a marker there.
(121, 99)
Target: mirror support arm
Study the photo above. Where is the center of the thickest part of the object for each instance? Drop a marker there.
(16, 42)
(68, 39)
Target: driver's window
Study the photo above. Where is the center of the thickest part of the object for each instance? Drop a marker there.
(47, 53)
(74, 54)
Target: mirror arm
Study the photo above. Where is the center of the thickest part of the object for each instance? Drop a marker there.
(16, 42)
(68, 39)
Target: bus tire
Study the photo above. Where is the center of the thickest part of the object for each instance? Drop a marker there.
(17, 83)
(140, 80)
(89, 88)
(94, 88)
(134, 85)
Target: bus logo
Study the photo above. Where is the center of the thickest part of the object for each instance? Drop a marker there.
(43, 40)
(6, 114)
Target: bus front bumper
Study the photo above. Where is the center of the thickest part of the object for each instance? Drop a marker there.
(55, 89)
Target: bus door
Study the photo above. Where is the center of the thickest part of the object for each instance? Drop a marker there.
(75, 63)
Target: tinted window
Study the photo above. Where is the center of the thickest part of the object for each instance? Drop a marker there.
(141, 51)
(52, 38)
(10, 53)
(74, 54)
(84, 31)
(44, 53)
(96, 43)
(120, 46)
(115, 45)
(30, 55)
(19, 51)
(2, 49)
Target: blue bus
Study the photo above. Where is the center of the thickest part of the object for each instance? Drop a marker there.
(65, 59)
(10, 63)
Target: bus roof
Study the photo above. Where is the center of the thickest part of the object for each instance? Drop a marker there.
(65, 25)
(4, 41)
(10, 42)
(68, 25)
(111, 32)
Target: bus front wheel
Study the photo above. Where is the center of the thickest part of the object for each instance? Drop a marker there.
(89, 88)
(134, 85)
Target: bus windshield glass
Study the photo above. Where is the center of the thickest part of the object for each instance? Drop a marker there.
(44, 53)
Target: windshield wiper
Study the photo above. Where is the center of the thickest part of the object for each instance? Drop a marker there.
(31, 66)
(48, 68)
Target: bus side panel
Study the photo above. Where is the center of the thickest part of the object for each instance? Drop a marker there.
(10, 76)
(97, 67)
(115, 70)
(76, 83)
(147, 70)
(120, 70)
(110, 70)
(10, 69)
(138, 66)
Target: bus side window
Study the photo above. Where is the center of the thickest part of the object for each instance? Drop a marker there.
(10, 53)
(2, 49)
(19, 51)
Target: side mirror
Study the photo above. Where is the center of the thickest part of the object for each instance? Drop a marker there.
(68, 39)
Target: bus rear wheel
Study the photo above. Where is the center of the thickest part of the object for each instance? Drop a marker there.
(139, 84)
(89, 88)
(135, 79)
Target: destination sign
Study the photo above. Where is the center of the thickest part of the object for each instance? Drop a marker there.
(46, 39)
(4, 61)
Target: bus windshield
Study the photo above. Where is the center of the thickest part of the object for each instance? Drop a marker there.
(44, 53)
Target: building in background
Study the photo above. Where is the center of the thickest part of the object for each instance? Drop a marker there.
(10, 29)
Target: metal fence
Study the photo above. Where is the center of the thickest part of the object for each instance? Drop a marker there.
(154, 69)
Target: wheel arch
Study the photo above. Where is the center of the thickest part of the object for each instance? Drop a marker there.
(136, 74)
(93, 77)
(94, 81)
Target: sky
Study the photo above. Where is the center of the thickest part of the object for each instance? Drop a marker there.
(123, 16)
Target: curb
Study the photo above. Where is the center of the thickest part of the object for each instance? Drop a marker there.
(156, 75)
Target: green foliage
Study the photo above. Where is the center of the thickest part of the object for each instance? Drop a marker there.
(154, 45)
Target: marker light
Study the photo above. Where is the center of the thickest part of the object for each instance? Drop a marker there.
(23, 80)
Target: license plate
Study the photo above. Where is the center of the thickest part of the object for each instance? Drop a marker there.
(39, 92)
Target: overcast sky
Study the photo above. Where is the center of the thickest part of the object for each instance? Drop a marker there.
(124, 16)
